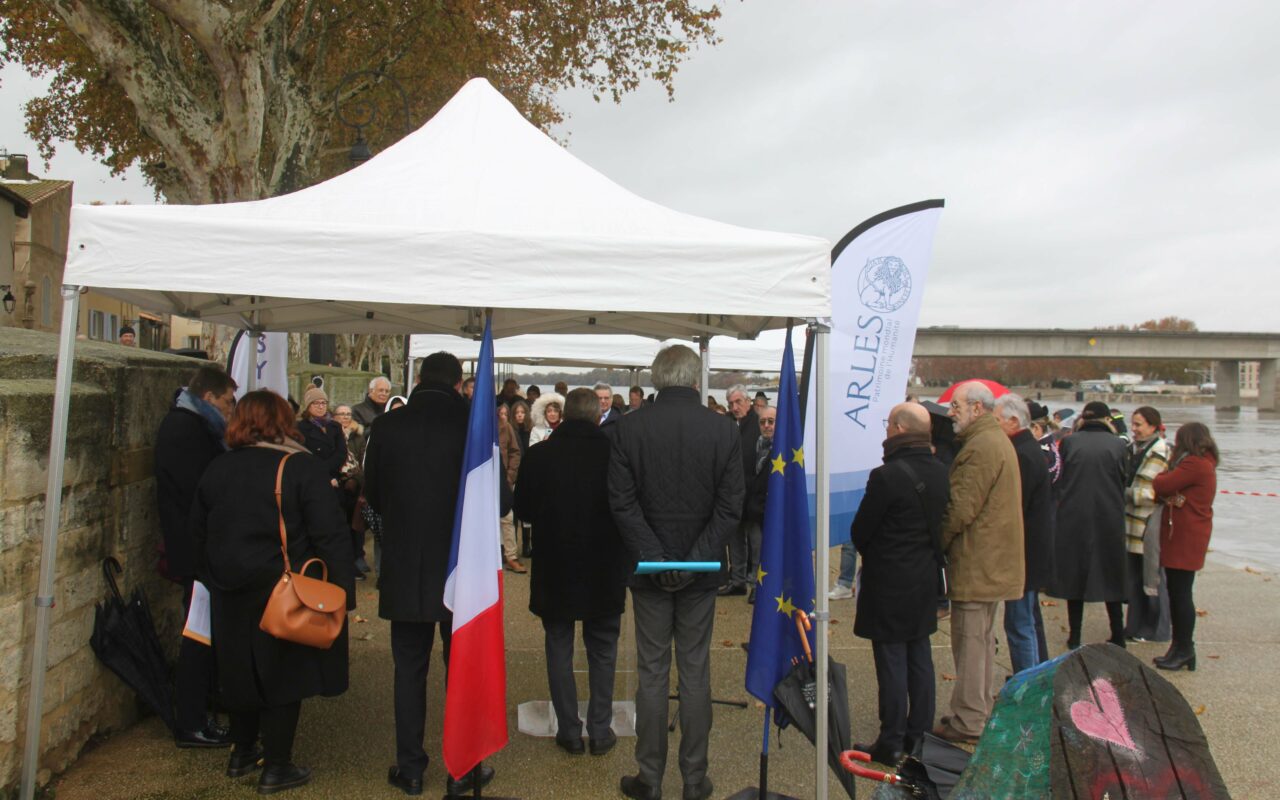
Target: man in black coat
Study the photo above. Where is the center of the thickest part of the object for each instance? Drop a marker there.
(744, 543)
(581, 567)
(412, 468)
(606, 413)
(371, 407)
(190, 436)
(676, 490)
(1023, 623)
(896, 532)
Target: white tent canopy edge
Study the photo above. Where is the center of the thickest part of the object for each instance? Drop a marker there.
(402, 244)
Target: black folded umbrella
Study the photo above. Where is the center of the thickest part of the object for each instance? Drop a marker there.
(928, 774)
(124, 639)
(797, 704)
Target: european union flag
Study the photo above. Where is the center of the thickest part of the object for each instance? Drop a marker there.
(784, 582)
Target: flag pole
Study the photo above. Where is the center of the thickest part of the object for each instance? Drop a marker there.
(764, 758)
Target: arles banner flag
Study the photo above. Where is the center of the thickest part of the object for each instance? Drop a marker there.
(878, 273)
(260, 361)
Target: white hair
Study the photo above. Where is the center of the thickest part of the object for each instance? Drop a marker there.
(737, 388)
(1011, 406)
(976, 392)
(676, 365)
(373, 384)
(604, 386)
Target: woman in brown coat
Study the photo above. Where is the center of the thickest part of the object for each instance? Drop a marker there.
(1187, 491)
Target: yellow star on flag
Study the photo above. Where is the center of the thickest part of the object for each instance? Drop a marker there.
(797, 456)
(760, 573)
(779, 465)
(784, 605)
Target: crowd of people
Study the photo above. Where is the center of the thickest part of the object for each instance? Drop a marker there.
(999, 506)
(990, 507)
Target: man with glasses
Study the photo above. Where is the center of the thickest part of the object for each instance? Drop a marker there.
(740, 554)
(982, 538)
(757, 490)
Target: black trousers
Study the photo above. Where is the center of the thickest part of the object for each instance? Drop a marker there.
(411, 644)
(277, 725)
(196, 676)
(600, 637)
(1115, 615)
(1182, 605)
(904, 673)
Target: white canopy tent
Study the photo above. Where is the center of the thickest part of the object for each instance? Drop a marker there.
(763, 354)
(476, 211)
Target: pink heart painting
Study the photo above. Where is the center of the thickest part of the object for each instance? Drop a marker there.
(1105, 719)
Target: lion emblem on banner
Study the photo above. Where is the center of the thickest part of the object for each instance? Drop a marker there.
(884, 284)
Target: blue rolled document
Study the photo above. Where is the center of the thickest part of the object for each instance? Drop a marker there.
(651, 567)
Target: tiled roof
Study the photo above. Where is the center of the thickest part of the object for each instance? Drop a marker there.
(34, 191)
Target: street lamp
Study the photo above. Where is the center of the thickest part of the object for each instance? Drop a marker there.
(365, 112)
(10, 302)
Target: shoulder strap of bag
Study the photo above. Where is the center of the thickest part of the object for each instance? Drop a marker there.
(284, 537)
(919, 487)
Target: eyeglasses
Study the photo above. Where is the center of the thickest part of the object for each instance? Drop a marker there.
(342, 413)
(320, 403)
(767, 422)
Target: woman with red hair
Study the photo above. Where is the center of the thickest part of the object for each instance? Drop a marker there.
(236, 529)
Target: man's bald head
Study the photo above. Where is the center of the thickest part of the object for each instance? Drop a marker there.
(909, 418)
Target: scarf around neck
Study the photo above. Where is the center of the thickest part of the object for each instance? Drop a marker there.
(903, 441)
(213, 419)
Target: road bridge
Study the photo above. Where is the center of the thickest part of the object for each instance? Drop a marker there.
(1225, 350)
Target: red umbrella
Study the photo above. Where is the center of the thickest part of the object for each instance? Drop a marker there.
(996, 389)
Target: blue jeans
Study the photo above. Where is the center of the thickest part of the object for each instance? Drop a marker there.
(1020, 630)
(848, 562)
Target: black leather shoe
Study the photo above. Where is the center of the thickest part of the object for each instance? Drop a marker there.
(280, 777)
(243, 760)
(732, 589)
(410, 786)
(636, 789)
(698, 791)
(571, 746)
(464, 787)
(881, 754)
(603, 744)
(751, 596)
(211, 736)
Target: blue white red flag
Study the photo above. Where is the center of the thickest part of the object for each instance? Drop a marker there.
(475, 706)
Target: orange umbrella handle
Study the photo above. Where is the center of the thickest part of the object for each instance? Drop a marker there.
(849, 759)
(803, 625)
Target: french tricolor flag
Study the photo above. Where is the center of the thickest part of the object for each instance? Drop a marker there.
(475, 705)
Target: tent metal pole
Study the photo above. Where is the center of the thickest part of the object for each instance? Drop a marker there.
(704, 344)
(49, 546)
(822, 548)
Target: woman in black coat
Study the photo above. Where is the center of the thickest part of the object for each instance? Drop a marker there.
(235, 526)
(322, 434)
(1089, 533)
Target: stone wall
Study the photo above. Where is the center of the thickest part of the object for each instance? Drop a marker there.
(108, 508)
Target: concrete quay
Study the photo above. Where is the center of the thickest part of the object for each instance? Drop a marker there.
(349, 741)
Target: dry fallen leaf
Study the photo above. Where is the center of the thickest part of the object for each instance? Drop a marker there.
(726, 643)
(759, 705)
(1199, 709)
(1048, 603)
(1215, 656)
(358, 619)
(365, 637)
(948, 677)
(1252, 571)
(1200, 612)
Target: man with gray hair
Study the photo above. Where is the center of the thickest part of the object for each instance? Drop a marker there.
(982, 538)
(608, 414)
(676, 491)
(744, 544)
(374, 403)
(1023, 625)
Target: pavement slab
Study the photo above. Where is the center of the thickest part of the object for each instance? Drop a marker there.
(349, 741)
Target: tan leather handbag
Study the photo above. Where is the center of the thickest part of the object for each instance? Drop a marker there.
(303, 610)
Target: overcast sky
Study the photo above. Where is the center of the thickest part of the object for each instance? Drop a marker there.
(1101, 162)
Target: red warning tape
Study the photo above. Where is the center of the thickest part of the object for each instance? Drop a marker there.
(1250, 494)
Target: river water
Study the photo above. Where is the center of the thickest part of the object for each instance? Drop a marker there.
(1246, 531)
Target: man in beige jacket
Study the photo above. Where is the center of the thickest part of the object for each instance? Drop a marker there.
(982, 537)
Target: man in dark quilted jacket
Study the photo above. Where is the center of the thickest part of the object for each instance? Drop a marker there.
(676, 491)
